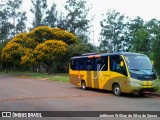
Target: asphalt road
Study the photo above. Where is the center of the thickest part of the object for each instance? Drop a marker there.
(26, 94)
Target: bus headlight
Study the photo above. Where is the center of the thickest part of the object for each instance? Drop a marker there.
(135, 84)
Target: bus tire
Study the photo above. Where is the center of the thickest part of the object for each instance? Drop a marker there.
(117, 90)
(83, 85)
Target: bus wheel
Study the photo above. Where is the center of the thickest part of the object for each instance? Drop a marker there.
(83, 85)
(117, 90)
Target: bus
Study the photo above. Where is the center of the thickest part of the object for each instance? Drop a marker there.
(123, 72)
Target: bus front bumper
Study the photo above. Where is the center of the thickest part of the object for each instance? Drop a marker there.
(135, 87)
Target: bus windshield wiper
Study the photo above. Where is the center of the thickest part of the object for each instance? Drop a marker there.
(135, 69)
(138, 70)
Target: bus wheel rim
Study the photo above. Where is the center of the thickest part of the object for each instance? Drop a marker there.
(83, 85)
(117, 91)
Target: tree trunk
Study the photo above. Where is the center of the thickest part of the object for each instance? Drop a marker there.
(49, 70)
(14, 67)
(1, 65)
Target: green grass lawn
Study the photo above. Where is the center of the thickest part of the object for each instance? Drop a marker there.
(56, 77)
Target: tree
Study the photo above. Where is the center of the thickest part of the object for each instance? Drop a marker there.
(2, 45)
(12, 20)
(80, 48)
(12, 53)
(5, 25)
(36, 40)
(38, 9)
(49, 52)
(141, 42)
(112, 32)
(156, 52)
(18, 17)
(51, 18)
(43, 33)
(21, 26)
(61, 21)
(152, 27)
(134, 26)
(76, 19)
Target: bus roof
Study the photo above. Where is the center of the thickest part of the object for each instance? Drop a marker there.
(91, 55)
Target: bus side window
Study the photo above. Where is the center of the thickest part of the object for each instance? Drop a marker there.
(73, 66)
(104, 63)
(76, 64)
(89, 64)
(115, 65)
(101, 64)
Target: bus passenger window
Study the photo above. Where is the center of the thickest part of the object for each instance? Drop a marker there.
(78, 64)
(115, 65)
(104, 63)
(89, 64)
(100, 64)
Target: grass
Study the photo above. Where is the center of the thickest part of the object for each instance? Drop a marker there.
(56, 77)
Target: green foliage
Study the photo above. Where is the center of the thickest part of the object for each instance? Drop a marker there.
(76, 19)
(3, 44)
(113, 32)
(21, 19)
(80, 48)
(51, 18)
(12, 21)
(141, 41)
(156, 51)
(136, 24)
(38, 9)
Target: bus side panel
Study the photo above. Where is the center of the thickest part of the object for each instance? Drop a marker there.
(121, 80)
(103, 78)
(75, 77)
(89, 78)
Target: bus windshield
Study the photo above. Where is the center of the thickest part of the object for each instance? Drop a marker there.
(140, 67)
(138, 62)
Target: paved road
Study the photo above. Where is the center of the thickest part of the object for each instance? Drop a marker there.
(25, 94)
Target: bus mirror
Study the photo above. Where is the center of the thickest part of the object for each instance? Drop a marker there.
(152, 62)
(122, 64)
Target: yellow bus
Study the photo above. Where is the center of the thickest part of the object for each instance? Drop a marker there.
(124, 72)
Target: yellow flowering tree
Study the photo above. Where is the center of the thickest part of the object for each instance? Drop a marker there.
(49, 52)
(41, 45)
(28, 57)
(12, 52)
(20, 39)
(43, 33)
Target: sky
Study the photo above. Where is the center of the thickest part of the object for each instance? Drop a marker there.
(146, 9)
